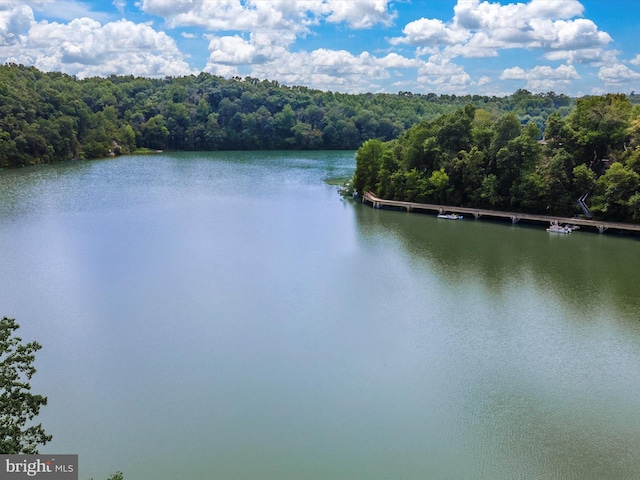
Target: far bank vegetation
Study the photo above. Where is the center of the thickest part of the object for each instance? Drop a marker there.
(52, 117)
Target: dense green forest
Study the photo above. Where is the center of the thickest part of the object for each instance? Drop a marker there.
(586, 163)
(49, 117)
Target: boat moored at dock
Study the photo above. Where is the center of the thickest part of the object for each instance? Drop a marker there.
(450, 216)
(555, 227)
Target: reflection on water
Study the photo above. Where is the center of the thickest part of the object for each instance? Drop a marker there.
(228, 315)
(586, 270)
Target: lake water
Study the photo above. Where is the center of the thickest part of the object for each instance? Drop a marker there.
(230, 316)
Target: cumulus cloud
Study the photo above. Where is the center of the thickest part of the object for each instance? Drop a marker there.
(578, 34)
(393, 60)
(235, 50)
(425, 31)
(227, 53)
(542, 78)
(15, 21)
(484, 80)
(439, 71)
(250, 15)
(84, 47)
(592, 56)
(360, 14)
(477, 15)
(224, 15)
(336, 70)
(481, 29)
(618, 75)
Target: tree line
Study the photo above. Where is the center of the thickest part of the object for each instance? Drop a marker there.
(50, 117)
(586, 162)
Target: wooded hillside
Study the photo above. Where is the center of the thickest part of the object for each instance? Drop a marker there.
(49, 117)
(587, 163)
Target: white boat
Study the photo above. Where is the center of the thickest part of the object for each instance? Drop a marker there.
(450, 216)
(555, 227)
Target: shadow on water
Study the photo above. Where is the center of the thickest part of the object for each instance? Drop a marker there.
(585, 270)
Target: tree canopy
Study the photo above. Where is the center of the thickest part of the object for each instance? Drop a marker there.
(18, 406)
(474, 157)
(50, 117)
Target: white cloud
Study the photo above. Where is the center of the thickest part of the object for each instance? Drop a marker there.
(441, 73)
(227, 71)
(336, 70)
(578, 34)
(563, 72)
(484, 81)
(481, 29)
(120, 4)
(234, 50)
(14, 23)
(393, 60)
(269, 57)
(360, 14)
(542, 78)
(251, 15)
(430, 32)
(84, 47)
(587, 55)
(476, 15)
(636, 60)
(221, 15)
(618, 75)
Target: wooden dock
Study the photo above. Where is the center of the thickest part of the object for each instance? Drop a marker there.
(377, 202)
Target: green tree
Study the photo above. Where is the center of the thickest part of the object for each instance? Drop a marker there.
(368, 163)
(388, 167)
(514, 161)
(455, 134)
(614, 190)
(583, 180)
(482, 129)
(18, 406)
(439, 186)
(471, 167)
(284, 121)
(489, 191)
(506, 128)
(601, 125)
(416, 186)
(155, 133)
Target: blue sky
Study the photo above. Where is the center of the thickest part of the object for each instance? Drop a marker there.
(443, 46)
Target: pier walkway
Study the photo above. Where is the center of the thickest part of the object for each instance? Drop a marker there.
(377, 202)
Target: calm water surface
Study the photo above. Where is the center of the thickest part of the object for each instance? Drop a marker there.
(229, 316)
